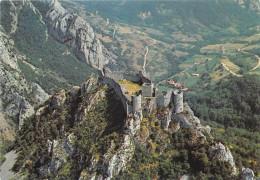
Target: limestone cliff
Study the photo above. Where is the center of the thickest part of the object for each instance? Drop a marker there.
(74, 31)
(18, 97)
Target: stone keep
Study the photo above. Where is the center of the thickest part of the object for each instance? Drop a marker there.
(137, 103)
(178, 101)
(147, 90)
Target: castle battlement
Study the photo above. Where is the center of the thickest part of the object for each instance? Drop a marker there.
(132, 103)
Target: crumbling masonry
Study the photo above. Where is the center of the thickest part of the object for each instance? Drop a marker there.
(133, 103)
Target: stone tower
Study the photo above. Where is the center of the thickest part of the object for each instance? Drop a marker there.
(178, 101)
(137, 104)
(147, 89)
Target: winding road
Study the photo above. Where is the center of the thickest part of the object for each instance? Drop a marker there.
(234, 74)
(147, 50)
(240, 50)
(146, 53)
(182, 72)
(114, 32)
(226, 66)
(5, 172)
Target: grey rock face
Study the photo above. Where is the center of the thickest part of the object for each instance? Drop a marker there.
(118, 160)
(166, 119)
(88, 86)
(77, 33)
(59, 151)
(75, 92)
(247, 174)
(132, 125)
(189, 120)
(18, 97)
(223, 154)
(58, 100)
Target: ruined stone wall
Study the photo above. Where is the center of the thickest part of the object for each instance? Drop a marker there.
(147, 89)
(112, 83)
(137, 103)
(178, 101)
(165, 99)
(110, 78)
(168, 98)
(132, 77)
(144, 79)
(149, 103)
(128, 75)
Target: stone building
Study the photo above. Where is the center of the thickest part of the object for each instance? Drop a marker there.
(149, 93)
(178, 101)
(147, 89)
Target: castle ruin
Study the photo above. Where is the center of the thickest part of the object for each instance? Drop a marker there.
(133, 103)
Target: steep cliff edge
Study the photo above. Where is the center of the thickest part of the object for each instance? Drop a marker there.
(18, 97)
(75, 32)
(83, 133)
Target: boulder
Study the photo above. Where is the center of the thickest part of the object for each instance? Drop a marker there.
(222, 153)
(75, 92)
(246, 174)
(58, 100)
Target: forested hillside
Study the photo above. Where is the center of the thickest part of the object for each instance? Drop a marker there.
(233, 102)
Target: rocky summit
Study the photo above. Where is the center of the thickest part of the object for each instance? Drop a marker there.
(84, 133)
(74, 31)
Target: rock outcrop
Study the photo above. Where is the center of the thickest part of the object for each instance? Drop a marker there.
(58, 100)
(189, 120)
(58, 150)
(88, 86)
(132, 125)
(121, 157)
(81, 130)
(246, 174)
(222, 153)
(166, 119)
(218, 151)
(75, 32)
(18, 97)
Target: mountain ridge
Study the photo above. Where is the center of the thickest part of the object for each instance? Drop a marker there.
(103, 163)
(51, 160)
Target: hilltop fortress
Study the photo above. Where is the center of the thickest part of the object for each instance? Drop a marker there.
(149, 94)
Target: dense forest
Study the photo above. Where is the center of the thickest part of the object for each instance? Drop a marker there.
(231, 108)
(233, 102)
